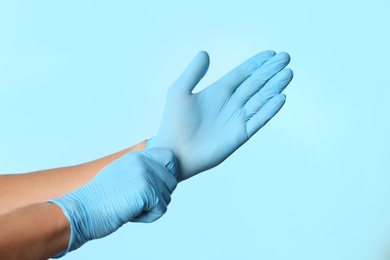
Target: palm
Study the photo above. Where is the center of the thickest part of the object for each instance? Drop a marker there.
(224, 123)
(203, 129)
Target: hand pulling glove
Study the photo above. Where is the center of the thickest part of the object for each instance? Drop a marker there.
(136, 187)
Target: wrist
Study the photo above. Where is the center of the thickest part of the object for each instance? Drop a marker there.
(62, 231)
(74, 214)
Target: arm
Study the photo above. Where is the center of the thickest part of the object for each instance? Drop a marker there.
(137, 187)
(144, 180)
(18, 190)
(36, 231)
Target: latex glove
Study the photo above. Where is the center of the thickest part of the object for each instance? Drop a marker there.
(203, 129)
(135, 187)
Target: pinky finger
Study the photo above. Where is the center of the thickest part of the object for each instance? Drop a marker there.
(268, 111)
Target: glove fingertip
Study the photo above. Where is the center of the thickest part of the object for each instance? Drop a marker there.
(204, 54)
(268, 111)
(193, 73)
(270, 52)
(291, 72)
(284, 55)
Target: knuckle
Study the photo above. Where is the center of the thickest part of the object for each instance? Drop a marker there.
(258, 80)
(145, 188)
(247, 68)
(164, 208)
(169, 154)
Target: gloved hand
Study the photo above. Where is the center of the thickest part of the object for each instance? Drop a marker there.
(135, 187)
(204, 128)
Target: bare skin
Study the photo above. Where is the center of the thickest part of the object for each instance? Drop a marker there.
(31, 228)
(19, 190)
(34, 232)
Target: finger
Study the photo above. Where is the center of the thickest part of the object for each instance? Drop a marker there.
(273, 87)
(238, 75)
(165, 166)
(163, 156)
(258, 79)
(154, 213)
(194, 72)
(165, 193)
(158, 186)
(268, 111)
(157, 212)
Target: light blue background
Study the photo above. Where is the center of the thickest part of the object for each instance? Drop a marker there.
(83, 79)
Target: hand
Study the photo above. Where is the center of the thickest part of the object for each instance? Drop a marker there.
(203, 129)
(135, 187)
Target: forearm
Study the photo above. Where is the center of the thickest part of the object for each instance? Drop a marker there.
(18, 190)
(36, 231)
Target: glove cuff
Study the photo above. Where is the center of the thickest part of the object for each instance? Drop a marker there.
(74, 212)
(149, 143)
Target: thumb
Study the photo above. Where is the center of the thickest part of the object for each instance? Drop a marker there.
(165, 157)
(165, 168)
(194, 72)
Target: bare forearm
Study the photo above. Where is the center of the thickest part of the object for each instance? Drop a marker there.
(18, 190)
(36, 231)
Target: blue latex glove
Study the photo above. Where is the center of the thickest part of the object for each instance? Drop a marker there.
(135, 187)
(203, 129)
